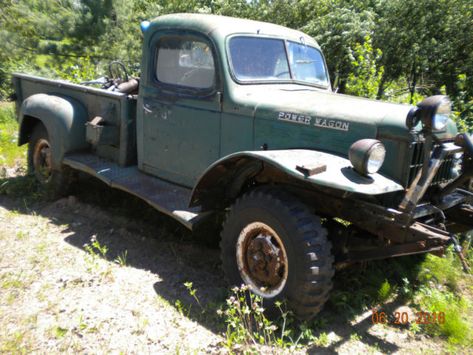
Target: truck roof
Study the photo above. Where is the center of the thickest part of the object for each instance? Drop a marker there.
(224, 26)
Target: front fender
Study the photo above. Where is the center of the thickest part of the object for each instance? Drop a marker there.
(64, 119)
(338, 175)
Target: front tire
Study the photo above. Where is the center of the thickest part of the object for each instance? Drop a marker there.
(55, 182)
(275, 245)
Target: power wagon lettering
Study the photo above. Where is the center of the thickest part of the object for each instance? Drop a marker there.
(319, 122)
(294, 117)
(333, 124)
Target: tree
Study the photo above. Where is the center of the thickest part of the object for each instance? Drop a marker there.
(425, 41)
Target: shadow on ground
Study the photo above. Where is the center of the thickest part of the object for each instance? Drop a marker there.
(156, 243)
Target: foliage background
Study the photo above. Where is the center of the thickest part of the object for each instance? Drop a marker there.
(397, 50)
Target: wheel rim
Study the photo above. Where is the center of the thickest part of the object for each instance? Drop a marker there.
(42, 161)
(262, 259)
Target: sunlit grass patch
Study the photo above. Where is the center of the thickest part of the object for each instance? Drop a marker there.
(10, 153)
(426, 283)
(442, 290)
(454, 325)
(446, 270)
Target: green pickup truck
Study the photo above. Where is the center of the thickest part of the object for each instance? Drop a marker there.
(233, 123)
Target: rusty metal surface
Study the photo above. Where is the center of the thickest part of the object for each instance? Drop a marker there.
(66, 84)
(312, 169)
(389, 224)
(166, 197)
(391, 252)
(338, 175)
(426, 175)
(462, 215)
(262, 259)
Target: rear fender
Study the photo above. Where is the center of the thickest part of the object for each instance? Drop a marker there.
(64, 119)
(223, 180)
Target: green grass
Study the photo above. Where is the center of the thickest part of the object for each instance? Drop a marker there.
(10, 154)
(426, 283)
(444, 288)
(14, 157)
(455, 327)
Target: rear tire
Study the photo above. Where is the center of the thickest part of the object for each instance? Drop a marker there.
(55, 182)
(275, 245)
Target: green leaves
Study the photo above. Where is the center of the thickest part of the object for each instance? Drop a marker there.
(366, 73)
(391, 49)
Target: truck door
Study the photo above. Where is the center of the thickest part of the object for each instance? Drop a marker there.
(180, 103)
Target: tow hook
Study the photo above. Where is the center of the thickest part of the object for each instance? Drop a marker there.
(458, 249)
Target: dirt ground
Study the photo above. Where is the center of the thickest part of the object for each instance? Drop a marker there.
(56, 296)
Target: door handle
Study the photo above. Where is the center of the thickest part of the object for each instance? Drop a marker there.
(148, 108)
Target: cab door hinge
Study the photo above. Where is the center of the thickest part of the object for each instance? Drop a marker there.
(220, 100)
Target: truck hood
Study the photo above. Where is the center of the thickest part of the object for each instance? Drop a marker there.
(325, 111)
(296, 116)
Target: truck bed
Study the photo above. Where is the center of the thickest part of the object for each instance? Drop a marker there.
(118, 111)
(164, 196)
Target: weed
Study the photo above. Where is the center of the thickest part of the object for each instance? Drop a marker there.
(355, 337)
(82, 325)
(322, 340)
(13, 283)
(384, 291)
(95, 248)
(415, 327)
(41, 247)
(181, 308)
(13, 344)
(59, 332)
(246, 322)
(406, 288)
(121, 259)
(248, 325)
(454, 326)
(20, 235)
(95, 251)
(22, 186)
(193, 293)
(445, 270)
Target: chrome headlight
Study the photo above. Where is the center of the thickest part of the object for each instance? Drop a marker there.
(367, 156)
(441, 116)
(434, 113)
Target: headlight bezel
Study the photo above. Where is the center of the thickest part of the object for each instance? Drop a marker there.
(361, 156)
(434, 113)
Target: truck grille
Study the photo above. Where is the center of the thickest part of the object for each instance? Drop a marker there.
(443, 175)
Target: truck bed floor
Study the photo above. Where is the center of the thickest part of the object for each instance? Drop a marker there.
(164, 196)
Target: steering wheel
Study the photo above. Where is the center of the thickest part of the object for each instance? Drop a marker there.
(186, 78)
(278, 75)
(117, 72)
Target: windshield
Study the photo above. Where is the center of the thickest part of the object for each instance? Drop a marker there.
(266, 59)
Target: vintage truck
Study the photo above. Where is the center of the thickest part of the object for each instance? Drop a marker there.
(234, 123)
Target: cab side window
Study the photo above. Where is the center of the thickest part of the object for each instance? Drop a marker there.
(185, 62)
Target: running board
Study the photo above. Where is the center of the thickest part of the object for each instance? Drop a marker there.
(164, 196)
